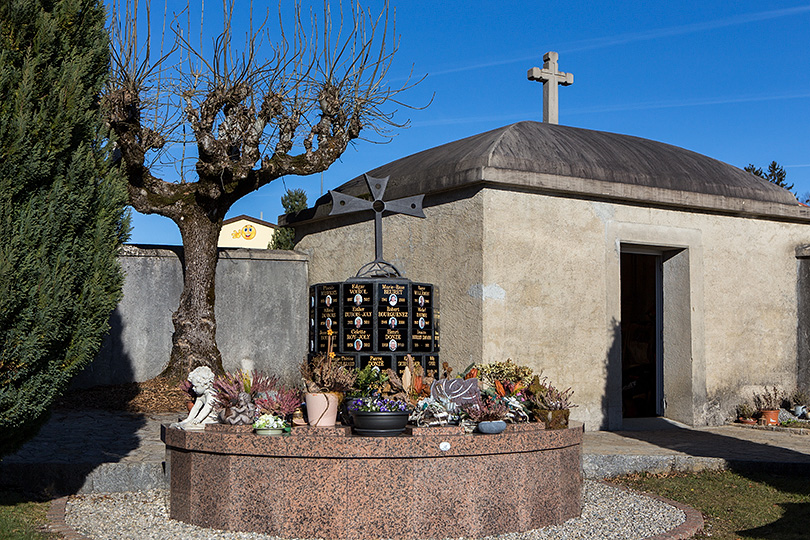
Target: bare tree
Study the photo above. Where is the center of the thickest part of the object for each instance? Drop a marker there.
(232, 121)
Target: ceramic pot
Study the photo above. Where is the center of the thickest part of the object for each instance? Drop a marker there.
(553, 419)
(269, 431)
(771, 417)
(322, 408)
(492, 427)
(380, 424)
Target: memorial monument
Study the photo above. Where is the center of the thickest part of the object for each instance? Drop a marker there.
(379, 316)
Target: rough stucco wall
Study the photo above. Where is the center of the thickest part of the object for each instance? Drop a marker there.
(443, 249)
(261, 309)
(546, 266)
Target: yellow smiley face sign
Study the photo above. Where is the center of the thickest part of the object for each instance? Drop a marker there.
(248, 232)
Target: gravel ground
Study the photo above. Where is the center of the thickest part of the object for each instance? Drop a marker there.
(608, 513)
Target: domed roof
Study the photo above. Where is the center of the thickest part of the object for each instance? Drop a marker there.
(563, 159)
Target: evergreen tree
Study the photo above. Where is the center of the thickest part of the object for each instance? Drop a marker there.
(776, 174)
(62, 209)
(294, 200)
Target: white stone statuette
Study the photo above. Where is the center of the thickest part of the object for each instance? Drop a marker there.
(202, 379)
(550, 76)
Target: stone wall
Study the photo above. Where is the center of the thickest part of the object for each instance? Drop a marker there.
(261, 310)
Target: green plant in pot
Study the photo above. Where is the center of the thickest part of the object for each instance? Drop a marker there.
(325, 382)
(378, 416)
(552, 406)
(489, 415)
(768, 403)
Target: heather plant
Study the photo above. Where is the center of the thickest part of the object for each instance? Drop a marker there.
(281, 401)
(227, 387)
(486, 410)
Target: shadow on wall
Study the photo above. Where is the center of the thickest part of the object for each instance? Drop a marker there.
(113, 364)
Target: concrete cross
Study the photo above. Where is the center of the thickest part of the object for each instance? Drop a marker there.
(346, 204)
(550, 78)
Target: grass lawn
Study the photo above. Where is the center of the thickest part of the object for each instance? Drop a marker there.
(21, 519)
(737, 506)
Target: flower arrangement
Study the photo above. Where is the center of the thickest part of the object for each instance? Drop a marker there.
(377, 404)
(227, 387)
(486, 411)
(269, 421)
(281, 401)
(371, 380)
(321, 374)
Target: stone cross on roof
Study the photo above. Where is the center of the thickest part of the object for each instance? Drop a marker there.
(345, 204)
(550, 77)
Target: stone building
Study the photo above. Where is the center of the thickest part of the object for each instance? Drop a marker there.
(653, 280)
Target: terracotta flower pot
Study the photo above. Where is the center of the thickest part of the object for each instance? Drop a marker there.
(771, 417)
(553, 419)
(322, 408)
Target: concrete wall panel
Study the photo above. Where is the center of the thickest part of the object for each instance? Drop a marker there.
(261, 310)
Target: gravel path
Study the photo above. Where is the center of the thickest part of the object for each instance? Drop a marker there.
(608, 513)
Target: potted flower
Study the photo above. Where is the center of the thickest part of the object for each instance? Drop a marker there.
(270, 424)
(236, 393)
(325, 384)
(378, 416)
(745, 413)
(553, 407)
(767, 403)
(281, 401)
(489, 415)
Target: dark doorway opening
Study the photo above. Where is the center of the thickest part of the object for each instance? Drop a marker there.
(641, 335)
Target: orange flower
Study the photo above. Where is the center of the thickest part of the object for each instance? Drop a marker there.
(329, 332)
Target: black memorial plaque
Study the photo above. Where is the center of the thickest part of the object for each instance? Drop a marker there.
(358, 306)
(345, 360)
(431, 364)
(381, 361)
(325, 317)
(422, 318)
(374, 320)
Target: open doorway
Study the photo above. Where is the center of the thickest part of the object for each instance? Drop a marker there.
(642, 334)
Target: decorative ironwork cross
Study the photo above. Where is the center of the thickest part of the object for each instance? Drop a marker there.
(346, 204)
(550, 76)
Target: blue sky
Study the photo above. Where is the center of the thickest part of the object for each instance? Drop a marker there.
(730, 80)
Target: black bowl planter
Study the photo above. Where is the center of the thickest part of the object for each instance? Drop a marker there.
(379, 424)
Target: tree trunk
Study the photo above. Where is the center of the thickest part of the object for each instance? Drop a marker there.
(194, 340)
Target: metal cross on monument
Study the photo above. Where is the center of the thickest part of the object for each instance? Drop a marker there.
(550, 76)
(346, 204)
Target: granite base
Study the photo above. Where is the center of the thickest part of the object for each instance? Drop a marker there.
(328, 483)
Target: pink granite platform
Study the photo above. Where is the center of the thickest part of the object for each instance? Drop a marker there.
(327, 483)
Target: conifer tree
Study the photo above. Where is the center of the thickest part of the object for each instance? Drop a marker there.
(294, 200)
(776, 174)
(62, 209)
